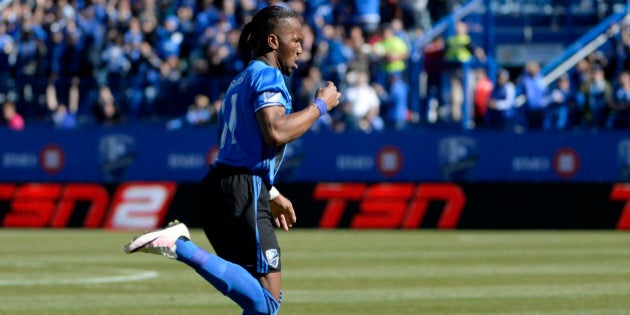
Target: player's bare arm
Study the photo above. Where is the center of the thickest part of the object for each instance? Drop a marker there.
(279, 128)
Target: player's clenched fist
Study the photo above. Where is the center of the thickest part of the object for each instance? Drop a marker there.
(329, 94)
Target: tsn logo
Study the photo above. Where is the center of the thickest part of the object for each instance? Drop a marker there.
(134, 205)
(404, 205)
(390, 205)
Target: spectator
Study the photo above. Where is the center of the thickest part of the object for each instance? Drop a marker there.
(483, 90)
(74, 66)
(620, 114)
(7, 51)
(415, 77)
(564, 102)
(415, 13)
(367, 15)
(459, 51)
(151, 53)
(362, 102)
(169, 38)
(308, 44)
(63, 116)
(169, 88)
(597, 93)
(143, 79)
(187, 26)
(434, 70)
(91, 21)
(372, 121)
(399, 30)
(63, 119)
(536, 92)
(391, 53)
(394, 103)
(222, 62)
(499, 114)
(11, 117)
(360, 50)
(207, 16)
(333, 54)
(106, 110)
(580, 73)
(115, 64)
(200, 113)
(28, 70)
(308, 87)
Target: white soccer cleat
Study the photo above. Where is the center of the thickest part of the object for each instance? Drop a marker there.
(159, 242)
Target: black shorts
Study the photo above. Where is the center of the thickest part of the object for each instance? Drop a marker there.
(235, 215)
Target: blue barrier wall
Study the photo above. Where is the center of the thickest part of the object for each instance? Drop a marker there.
(152, 153)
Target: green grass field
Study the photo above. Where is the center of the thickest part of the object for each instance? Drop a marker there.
(345, 272)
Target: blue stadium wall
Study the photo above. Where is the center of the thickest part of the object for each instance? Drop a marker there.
(140, 177)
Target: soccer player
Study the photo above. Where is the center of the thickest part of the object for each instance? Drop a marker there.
(238, 203)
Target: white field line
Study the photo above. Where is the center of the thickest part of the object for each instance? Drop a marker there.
(124, 275)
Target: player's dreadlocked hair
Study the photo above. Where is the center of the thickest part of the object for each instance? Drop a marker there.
(252, 42)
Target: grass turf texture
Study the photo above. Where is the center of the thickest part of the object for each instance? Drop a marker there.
(346, 272)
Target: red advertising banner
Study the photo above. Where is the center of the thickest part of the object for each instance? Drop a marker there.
(131, 205)
(433, 205)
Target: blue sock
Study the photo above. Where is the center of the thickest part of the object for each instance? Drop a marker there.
(230, 279)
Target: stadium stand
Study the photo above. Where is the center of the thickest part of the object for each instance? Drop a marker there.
(147, 61)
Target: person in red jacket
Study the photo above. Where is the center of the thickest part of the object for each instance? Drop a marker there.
(13, 119)
(483, 89)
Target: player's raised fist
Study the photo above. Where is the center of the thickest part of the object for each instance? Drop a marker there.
(329, 94)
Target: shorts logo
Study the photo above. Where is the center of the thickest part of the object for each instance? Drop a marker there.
(273, 258)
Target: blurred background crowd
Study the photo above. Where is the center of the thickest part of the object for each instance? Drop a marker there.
(82, 63)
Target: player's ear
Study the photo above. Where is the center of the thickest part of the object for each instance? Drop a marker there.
(273, 41)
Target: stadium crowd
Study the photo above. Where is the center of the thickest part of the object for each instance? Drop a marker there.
(75, 63)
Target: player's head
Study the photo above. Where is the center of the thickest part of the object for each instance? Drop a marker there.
(276, 33)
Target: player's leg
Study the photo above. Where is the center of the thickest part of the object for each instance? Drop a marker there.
(229, 235)
(234, 212)
(230, 279)
(272, 282)
(269, 265)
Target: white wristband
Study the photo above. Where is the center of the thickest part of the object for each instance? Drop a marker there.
(273, 193)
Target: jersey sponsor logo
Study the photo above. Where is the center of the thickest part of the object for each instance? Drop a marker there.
(273, 257)
(272, 97)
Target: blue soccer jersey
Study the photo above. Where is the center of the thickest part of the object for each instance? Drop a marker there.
(241, 142)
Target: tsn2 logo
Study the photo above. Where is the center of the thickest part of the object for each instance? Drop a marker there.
(390, 205)
(134, 205)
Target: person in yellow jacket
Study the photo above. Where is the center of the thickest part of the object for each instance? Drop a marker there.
(392, 51)
(459, 49)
